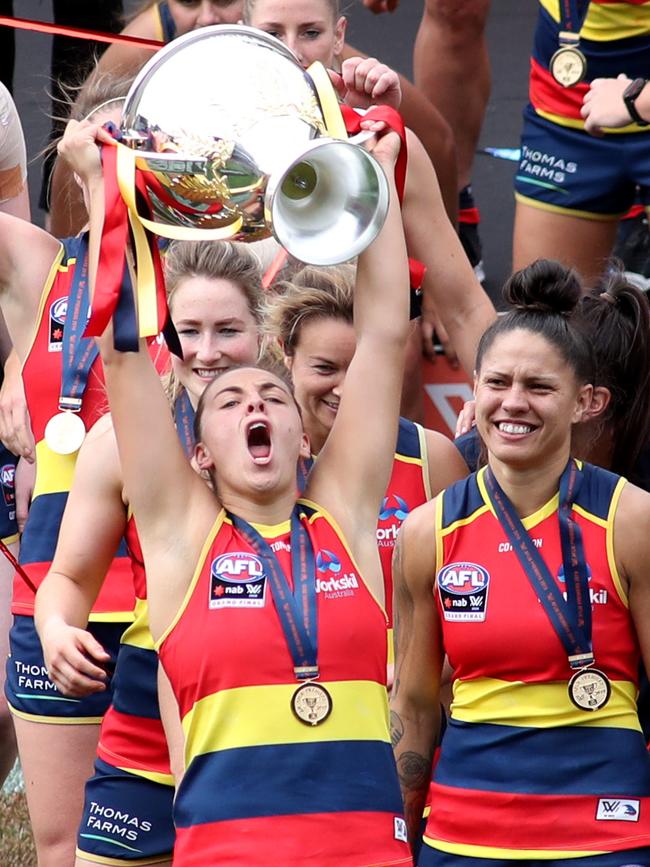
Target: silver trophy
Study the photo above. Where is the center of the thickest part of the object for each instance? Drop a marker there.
(232, 135)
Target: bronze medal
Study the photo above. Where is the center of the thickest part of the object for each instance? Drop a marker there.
(65, 432)
(589, 689)
(311, 703)
(568, 66)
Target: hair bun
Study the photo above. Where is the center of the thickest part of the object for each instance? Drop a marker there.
(545, 287)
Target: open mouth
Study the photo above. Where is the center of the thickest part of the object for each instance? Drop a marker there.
(331, 405)
(515, 428)
(259, 442)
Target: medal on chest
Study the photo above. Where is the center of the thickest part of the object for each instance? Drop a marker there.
(297, 612)
(65, 431)
(589, 688)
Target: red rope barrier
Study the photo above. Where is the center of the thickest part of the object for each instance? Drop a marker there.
(77, 32)
(7, 553)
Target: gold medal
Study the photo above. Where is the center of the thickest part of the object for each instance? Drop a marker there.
(589, 689)
(65, 432)
(311, 703)
(568, 66)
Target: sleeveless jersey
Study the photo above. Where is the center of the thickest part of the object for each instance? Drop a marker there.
(42, 381)
(408, 487)
(522, 772)
(165, 24)
(260, 787)
(131, 735)
(615, 38)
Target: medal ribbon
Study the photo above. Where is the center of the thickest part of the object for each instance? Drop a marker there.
(184, 418)
(572, 17)
(78, 353)
(570, 618)
(297, 609)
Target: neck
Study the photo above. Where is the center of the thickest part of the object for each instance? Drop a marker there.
(594, 442)
(260, 511)
(528, 489)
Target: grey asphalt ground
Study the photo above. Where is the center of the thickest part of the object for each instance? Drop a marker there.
(389, 37)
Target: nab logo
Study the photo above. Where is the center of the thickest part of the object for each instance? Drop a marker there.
(463, 578)
(618, 809)
(326, 561)
(400, 510)
(238, 567)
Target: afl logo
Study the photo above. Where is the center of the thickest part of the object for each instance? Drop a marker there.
(326, 561)
(237, 567)
(462, 579)
(400, 510)
(7, 475)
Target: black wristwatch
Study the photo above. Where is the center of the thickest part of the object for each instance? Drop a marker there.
(630, 95)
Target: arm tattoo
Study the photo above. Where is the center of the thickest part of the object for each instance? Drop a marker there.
(396, 728)
(413, 769)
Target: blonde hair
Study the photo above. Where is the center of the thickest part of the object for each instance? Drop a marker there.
(313, 293)
(249, 5)
(220, 260)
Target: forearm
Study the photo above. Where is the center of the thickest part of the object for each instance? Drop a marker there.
(414, 734)
(381, 293)
(61, 599)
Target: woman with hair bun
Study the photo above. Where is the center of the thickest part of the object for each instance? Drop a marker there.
(531, 576)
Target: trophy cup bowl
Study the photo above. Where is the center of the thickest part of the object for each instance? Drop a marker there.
(230, 133)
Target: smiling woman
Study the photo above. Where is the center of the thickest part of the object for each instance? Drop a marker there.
(534, 583)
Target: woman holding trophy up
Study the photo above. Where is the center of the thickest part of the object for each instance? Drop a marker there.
(279, 708)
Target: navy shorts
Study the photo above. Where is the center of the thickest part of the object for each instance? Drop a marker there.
(569, 171)
(127, 819)
(30, 692)
(430, 857)
(8, 525)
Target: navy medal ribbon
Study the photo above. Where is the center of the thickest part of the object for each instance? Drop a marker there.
(570, 618)
(297, 608)
(78, 352)
(184, 418)
(572, 17)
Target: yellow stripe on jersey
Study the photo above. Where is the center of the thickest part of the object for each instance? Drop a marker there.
(493, 852)
(239, 710)
(608, 21)
(539, 705)
(611, 558)
(55, 472)
(138, 633)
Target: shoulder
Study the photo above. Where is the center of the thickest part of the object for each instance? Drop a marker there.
(146, 24)
(415, 551)
(599, 491)
(446, 464)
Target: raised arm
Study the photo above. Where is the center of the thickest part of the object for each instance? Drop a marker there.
(353, 469)
(415, 703)
(163, 490)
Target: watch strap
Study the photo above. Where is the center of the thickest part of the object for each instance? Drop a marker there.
(630, 95)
